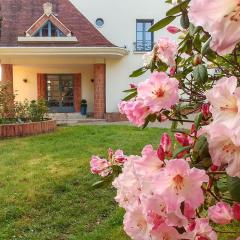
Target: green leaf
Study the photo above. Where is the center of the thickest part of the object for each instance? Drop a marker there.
(206, 47)
(178, 8)
(162, 23)
(130, 90)
(184, 20)
(182, 149)
(200, 73)
(197, 120)
(138, 72)
(234, 188)
(130, 96)
(193, 29)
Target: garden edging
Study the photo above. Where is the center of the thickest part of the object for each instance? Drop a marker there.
(27, 129)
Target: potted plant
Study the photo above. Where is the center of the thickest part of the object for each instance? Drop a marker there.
(84, 107)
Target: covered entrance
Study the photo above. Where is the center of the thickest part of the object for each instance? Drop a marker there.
(60, 92)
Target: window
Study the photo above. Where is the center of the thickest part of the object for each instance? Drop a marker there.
(99, 22)
(144, 40)
(49, 30)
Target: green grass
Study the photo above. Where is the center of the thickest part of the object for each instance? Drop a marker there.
(45, 184)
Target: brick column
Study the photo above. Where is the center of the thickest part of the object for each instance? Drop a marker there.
(99, 91)
(7, 77)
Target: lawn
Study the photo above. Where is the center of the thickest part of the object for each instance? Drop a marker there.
(45, 184)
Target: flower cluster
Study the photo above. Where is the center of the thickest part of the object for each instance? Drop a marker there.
(161, 196)
(223, 133)
(153, 95)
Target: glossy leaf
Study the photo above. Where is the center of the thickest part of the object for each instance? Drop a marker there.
(138, 72)
(178, 8)
(162, 23)
(234, 187)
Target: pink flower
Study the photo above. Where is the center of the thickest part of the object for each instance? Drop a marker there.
(158, 212)
(224, 147)
(200, 230)
(136, 225)
(177, 183)
(128, 186)
(119, 157)
(173, 29)
(149, 164)
(236, 211)
(100, 166)
(159, 92)
(221, 213)
(224, 98)
(221, 19)
(167, 51)
(135, 111)
(165, 232)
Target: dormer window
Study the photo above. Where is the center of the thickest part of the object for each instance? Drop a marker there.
(49, 30)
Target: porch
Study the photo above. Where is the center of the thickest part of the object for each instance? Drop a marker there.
(62, 86)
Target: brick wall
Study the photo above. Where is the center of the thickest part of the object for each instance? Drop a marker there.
(99, 91)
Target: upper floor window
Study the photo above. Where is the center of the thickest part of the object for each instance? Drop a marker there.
(49, 30)
(144, 40)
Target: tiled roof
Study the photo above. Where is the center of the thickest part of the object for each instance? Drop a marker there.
(19, 15)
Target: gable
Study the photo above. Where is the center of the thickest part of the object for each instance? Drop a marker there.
(23, 18)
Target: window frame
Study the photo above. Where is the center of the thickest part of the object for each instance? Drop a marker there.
(144, 21)
(49, 25)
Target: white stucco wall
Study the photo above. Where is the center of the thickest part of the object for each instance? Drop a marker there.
(29, 90)
(120, 28)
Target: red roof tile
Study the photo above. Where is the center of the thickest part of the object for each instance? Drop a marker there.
(19, 15)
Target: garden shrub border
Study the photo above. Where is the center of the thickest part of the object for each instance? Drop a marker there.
(27, 129)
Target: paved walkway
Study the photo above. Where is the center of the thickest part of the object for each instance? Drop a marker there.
(166, 124)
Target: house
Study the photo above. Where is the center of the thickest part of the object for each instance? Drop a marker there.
(65, 51)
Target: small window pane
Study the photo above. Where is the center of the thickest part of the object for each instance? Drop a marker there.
(147, 26)
(140, 36)
(140, 26)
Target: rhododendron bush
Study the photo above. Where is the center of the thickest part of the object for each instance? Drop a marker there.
(189, 185)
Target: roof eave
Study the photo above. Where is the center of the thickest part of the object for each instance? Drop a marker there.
(64, 51)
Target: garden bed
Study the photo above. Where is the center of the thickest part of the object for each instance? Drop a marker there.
(27, 129)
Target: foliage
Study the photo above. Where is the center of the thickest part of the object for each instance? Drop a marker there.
(12, 111)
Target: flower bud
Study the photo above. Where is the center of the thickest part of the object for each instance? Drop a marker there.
(172, 71)
(236, 211)
(214, 168)
(160, 153)
(166, 143)
(197, 59)
(173, 29)
(205, 110)
(132, 85)
(182, 139)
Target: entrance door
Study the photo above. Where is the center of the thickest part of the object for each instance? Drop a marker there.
(60, 95)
